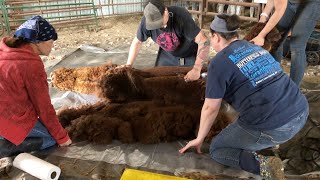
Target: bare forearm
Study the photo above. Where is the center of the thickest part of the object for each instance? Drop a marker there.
(209, 113)
(134, 50)
(280, 7)
(208, 117)
(265, 15)
(203, 50)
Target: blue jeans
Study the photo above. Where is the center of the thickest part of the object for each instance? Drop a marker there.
(41, 132)
(301, 19)
(228, 146)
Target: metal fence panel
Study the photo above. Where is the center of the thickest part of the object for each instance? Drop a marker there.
(61, 13)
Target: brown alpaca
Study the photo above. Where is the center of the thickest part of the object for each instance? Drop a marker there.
(163, 84)
(139, 121)
(148, 106)
(271, 40)
(85, 79)
(127, 84)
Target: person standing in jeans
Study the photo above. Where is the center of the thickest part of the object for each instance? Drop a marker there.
(298, 16)
(28, 121)
(271, 107)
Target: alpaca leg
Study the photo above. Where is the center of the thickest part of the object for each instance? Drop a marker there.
(239, 9)
(231, 8)
(220, 8)
(251, 12)
(213, 7)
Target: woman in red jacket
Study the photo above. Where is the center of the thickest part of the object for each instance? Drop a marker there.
(28, 121)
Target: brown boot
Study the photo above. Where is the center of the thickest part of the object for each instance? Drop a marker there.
(271, 167)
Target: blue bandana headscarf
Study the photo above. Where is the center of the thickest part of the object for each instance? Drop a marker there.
(36, 30)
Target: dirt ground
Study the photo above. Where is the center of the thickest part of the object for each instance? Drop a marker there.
(111, 32)
(118, 31)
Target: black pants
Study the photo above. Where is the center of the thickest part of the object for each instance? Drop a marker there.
(166, 59)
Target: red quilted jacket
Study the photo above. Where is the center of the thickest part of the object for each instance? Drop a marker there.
(24, 95)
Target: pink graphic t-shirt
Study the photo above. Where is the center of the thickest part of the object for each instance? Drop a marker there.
(168, 41)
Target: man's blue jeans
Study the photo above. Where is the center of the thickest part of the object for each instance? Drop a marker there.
(227, 147)
(301, 19)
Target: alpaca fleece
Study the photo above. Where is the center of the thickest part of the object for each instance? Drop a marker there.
(127, 84)
(140, 121)
(271, 40)
(82, 80)
(147, 106)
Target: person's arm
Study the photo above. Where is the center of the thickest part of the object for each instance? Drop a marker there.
(202, 55)
(209, 113)
(265, 15)
(66, 143)
(134, 50)
(38, 91)
(280, 7)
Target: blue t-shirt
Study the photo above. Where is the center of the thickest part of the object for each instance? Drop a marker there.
(178, 37)
(252, 81)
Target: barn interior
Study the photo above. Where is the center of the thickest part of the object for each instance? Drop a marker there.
(93, 33)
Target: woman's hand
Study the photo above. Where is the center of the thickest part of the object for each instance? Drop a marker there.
(66, 143)
(192, 75)
(124, 66)
(194, 143)
(258, 41)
